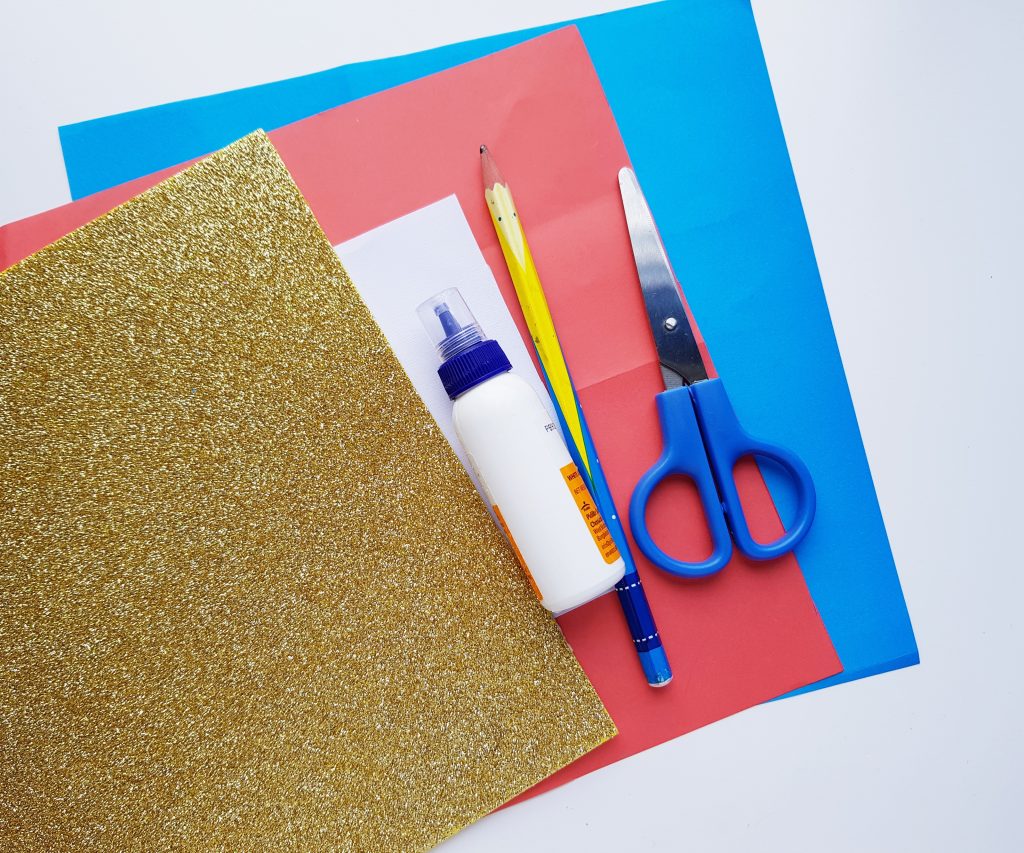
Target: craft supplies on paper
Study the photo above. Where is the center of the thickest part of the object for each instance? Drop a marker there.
(687, 83)
(534, 488)
(530, 292)
(251, 598)
(722, 635)
(703, 438)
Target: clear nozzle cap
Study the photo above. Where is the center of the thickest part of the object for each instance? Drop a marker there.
(449, 323)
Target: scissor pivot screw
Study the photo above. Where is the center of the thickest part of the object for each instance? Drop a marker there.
(670, 324)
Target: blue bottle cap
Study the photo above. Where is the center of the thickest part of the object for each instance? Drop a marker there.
(468, 357)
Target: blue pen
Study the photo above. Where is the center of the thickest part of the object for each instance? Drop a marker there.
(632, 598)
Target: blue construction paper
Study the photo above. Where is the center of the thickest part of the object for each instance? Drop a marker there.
(687, 82)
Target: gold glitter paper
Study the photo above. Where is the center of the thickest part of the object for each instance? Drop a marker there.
(250, 600)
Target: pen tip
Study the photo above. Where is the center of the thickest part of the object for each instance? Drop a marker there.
(483, 149)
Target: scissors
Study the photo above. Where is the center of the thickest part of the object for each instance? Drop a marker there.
(702, 437)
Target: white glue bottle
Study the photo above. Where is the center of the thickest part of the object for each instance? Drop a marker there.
(531, 482)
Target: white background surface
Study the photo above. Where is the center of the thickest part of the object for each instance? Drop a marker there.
(904, 121)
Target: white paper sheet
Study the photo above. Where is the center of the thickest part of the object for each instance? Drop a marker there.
(399, 265)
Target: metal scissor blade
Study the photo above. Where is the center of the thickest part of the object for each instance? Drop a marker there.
(681, 362)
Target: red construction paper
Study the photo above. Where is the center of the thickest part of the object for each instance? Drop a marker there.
(739, 638)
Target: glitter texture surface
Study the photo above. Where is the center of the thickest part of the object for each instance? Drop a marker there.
(249, 600)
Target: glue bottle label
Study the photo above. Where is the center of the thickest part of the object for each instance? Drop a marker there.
(591, 515)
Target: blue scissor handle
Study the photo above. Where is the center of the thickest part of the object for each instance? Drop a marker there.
(682, 454)
(703, 440)
(726, 442)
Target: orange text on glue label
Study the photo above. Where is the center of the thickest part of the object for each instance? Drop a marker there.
(591, 515)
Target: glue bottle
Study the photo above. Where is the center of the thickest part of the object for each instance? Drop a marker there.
(536, 491)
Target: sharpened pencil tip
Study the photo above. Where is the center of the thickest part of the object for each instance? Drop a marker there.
(492, 175)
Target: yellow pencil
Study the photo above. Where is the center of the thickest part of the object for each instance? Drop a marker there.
(531, 298)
